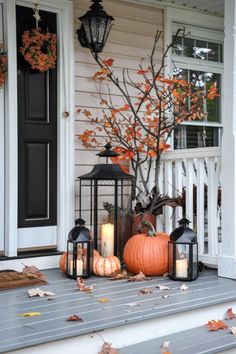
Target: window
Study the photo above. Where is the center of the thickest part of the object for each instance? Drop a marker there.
(199, 60)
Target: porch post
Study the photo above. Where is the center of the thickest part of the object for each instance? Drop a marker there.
(227, 259)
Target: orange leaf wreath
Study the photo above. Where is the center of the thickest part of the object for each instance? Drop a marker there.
(39, 49)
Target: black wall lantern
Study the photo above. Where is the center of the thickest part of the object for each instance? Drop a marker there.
(183, 253)
(105, 200)
(95, 28)
(79, 251)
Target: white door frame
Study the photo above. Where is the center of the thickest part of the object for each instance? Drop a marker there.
(2, 138)
(64, 9)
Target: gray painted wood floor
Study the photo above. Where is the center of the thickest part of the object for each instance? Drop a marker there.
(19, 332)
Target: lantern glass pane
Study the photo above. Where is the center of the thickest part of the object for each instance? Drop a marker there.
(195, 261)
(81, 258)
(70, 251)
(86, 24)
(182, 260)
(170, 258)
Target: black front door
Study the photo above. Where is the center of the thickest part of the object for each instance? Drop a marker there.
(37, 131)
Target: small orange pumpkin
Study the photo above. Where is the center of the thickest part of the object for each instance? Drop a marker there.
(147, 252)
(105, 266)
(62, 262)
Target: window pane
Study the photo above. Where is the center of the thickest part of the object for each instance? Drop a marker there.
(188, 47)
(201, 50)
(187, 137)
(177, 46)
(214, 52)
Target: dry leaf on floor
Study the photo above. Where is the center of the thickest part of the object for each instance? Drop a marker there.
(74, 318)
(30, 314)
(183, 287)
(165, 348)
(82, 287)
(233, 330)
(39, 292)
(32, 271)
(165, 296)
(139, 277)
(216, 325)
(145, 291)
(162, 287)
(229, 315)
(107, 349)
(118, 275)
(132, 304)
(103, 300)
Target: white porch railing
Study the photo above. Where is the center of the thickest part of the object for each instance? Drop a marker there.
(195, 174)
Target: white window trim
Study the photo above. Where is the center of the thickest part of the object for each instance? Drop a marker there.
(215, 24)
(64, 8)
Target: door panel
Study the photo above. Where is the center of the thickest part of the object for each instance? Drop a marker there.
(37, 139)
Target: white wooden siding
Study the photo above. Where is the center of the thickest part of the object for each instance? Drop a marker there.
(130, 39)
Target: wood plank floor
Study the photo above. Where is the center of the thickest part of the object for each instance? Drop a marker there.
(193, 341)
(20, 332)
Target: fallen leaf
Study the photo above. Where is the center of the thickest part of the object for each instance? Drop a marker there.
(32, 271)
(132, 304)
(74, 318)
(216, 325)
(107, 349)
(162, 287)
(82, 287)
(233, 330)
(165, 348)
(139, 277)
(118, 275)
(145, 291)
(229, 315)
(103, 300)
(165, 296)
(183, 287)
(165, 275)
(39, 292)
(30, 314)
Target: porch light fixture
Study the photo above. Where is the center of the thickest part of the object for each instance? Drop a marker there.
(183, 253)
(95, 28)
(79, 251)
(105, 200)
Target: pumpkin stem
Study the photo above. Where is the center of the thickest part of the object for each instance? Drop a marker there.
(147, 225)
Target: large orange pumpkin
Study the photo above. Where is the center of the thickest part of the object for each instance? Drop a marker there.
(147, 252)
(104, 267)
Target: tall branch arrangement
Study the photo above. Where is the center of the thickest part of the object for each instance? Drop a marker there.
(140, 128)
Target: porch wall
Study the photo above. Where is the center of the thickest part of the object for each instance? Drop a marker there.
(130, 39)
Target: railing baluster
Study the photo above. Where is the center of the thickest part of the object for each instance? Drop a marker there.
(189, 189)
(200, 205)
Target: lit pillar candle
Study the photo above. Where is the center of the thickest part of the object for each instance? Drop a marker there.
(181, 268)
(79, 267)
(107, 232)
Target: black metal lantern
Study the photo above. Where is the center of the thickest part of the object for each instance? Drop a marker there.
(105, 199)
(79, 251)
(95, 28)
(183, 253)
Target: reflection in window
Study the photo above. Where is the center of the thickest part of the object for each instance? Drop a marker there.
(193, 48)
(187, 137)
(203, 80)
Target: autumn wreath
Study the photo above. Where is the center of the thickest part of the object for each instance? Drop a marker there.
(39, 49)
(3, 66)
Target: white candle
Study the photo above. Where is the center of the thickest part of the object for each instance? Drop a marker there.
(107, 232)
(79, 267)
(181, 268)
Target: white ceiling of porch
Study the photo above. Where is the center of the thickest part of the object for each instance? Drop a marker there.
(209, 6)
